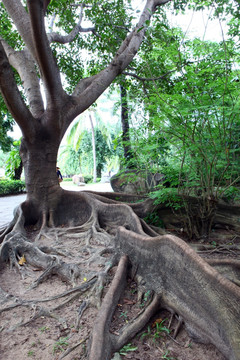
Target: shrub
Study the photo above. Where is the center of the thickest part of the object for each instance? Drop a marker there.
(88, 179)
(231, 194)
(11, 187)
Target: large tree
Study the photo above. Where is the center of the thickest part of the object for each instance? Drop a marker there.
(207, 299)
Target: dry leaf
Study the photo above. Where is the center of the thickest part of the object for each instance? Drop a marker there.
(22, 260)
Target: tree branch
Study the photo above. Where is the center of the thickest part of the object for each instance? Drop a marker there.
(55, 37)
(21, 20)
(47, 64)
(64, 39)
(23, 62)
(12, 96)
(122, 59)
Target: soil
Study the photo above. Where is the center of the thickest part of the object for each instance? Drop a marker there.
(36, 325)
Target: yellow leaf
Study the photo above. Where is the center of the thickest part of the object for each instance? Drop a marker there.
(22, 260)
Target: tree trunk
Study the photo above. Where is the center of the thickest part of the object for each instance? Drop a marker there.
(126, 142)
(94, 150)
(39, 156)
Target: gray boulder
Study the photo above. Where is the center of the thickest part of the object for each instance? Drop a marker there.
(135, 181)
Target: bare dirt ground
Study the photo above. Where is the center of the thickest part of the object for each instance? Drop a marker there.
(53, 320)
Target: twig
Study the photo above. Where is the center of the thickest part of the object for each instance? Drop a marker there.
(73, 348)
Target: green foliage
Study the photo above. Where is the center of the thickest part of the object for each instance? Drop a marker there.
(86, 55)
(6, 124)
(190, 131)
(43, 329)
(88, 178)
(77, 156)
(160, 329)
(60, 345)
(103, 149)
(14, 160)
(30, 353)
(3, 159)
(167, 357)
(153, 219)
(127, 348)
(167, 196)
(146, 333)
(124, 314)
(146, 297)
(231, 194)
(156, 331)
(69, 158)
(110, 21)
(11, 187)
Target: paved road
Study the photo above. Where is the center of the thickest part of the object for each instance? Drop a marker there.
(8, 203)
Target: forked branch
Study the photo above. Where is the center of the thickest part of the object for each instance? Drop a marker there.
(122, 59)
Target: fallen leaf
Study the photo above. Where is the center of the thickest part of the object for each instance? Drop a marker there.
(157, 321)
(22, 260)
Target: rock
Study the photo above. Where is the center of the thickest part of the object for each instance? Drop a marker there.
(135, 181)
(77, 179)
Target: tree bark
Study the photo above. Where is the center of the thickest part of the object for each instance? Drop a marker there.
(210, 310)
(94, 150)
(125, 127)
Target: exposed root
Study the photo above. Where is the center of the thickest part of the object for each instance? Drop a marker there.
(178, 327)
(221, 249)
(17, 246)
(40, 311)
(18, 302)
(101, 345)
(17, 224)
(84, 305)
(67, 272)
(178, 279)
(4, 230)
(230, 268)
(69, 350)
(189, 286)
(137, 324)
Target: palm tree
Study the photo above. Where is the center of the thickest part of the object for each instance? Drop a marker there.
(76, 134)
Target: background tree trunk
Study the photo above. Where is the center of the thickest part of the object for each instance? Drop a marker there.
(93, 149)
(126, 141)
